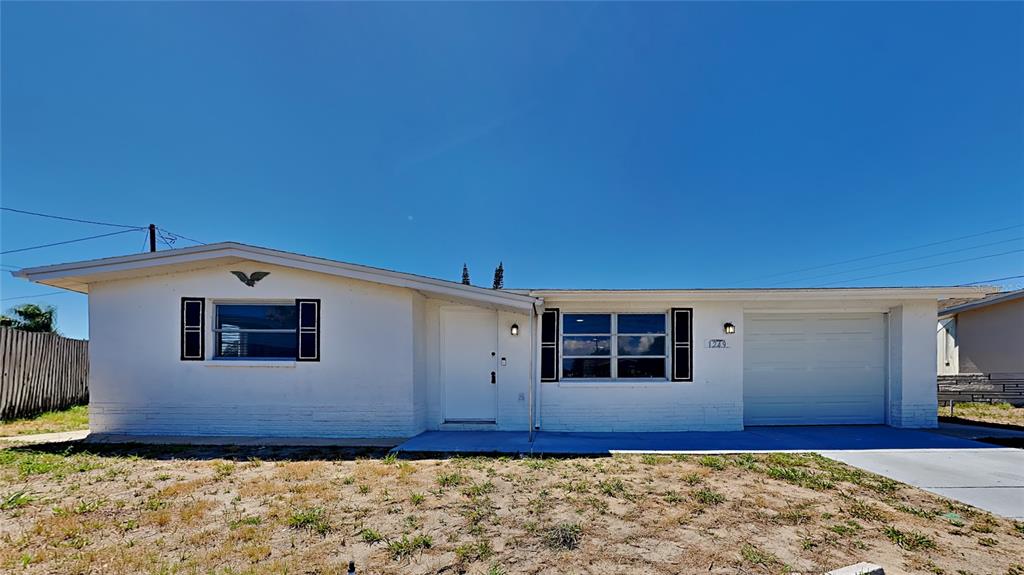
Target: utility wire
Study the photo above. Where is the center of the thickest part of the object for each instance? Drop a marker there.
(69, 219)
(874, 266)
(182, 237)
(68, 241)
(37, 296)
(921, 268)
(42, 215)
(145, 240)
(917, 247)
(992, 280)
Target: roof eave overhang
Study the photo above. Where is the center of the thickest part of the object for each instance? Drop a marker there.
(78, 275)
(1003, 298)
(805, 295)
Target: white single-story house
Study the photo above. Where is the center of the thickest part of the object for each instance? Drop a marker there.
(230, 339)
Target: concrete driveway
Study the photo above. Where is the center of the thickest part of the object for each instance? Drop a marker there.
(989, 479)
(980, 474)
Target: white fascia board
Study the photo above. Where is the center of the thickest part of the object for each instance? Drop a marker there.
(79, 274)
(756, 295)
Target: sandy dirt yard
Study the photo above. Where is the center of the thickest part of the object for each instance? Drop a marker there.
(131, 509)
(1001, 413)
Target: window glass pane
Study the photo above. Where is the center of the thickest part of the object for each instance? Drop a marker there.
(587, 323)
(641, 323)
(250, 344)
(641, 345)
(642, 367)
(587, 345)
(681, 363)
(256, 316)
(586, 368)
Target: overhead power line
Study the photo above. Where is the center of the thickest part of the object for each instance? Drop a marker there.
(169, 232)
(992, 280)
(914, 259)
(68, 241)
(922, 268)
(69, 219)
(44, 294)
(888, 253)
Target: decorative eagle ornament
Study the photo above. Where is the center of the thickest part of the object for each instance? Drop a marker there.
(250, 280)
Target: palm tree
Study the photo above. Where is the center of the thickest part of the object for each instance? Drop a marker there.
(30, 317)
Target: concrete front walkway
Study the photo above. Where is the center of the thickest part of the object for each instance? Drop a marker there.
(980, 474)
(751, 440)
(59, 437)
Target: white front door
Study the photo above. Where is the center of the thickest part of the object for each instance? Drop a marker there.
(469, 364)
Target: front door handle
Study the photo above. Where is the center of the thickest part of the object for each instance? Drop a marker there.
(494, 378)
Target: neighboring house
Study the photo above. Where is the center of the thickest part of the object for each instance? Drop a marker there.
(182, 343)
(983, 336)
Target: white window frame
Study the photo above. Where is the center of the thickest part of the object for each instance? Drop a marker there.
(217, 331)
(613, 347)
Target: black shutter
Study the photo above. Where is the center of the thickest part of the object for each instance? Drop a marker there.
(549, 345)
(682, 344)
(308, 330)
(193, 329)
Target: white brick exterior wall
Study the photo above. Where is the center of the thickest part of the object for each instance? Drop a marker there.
(713, 401)
(913, 390)
(380, 371)
(362, 387)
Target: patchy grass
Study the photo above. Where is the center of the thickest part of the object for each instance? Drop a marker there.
(564, 536)
(1001, 413)
(909, 540)
(312, 518)
(14, 500)
(167, 509)
(73, 419)
(401, 548)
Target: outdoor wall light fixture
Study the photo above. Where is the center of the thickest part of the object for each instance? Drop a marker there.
(729, 328)
(515, 329)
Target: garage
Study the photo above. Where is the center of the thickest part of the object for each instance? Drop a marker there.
(814, 369)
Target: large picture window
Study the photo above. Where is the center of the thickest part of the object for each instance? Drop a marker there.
(259, 331)
(613, 346)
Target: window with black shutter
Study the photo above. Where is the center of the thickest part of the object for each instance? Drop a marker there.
(193, 320)
(308, 330)
(682, 344)
(549, 345)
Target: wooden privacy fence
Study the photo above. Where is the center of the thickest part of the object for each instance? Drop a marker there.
(41, 372)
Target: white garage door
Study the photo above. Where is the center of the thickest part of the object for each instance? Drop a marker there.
(813, 369)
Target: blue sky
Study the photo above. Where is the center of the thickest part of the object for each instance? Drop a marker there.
(584, 145)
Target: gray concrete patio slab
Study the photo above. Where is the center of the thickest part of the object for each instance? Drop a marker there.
(240, 440)
(980, 474)
(754, 439)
